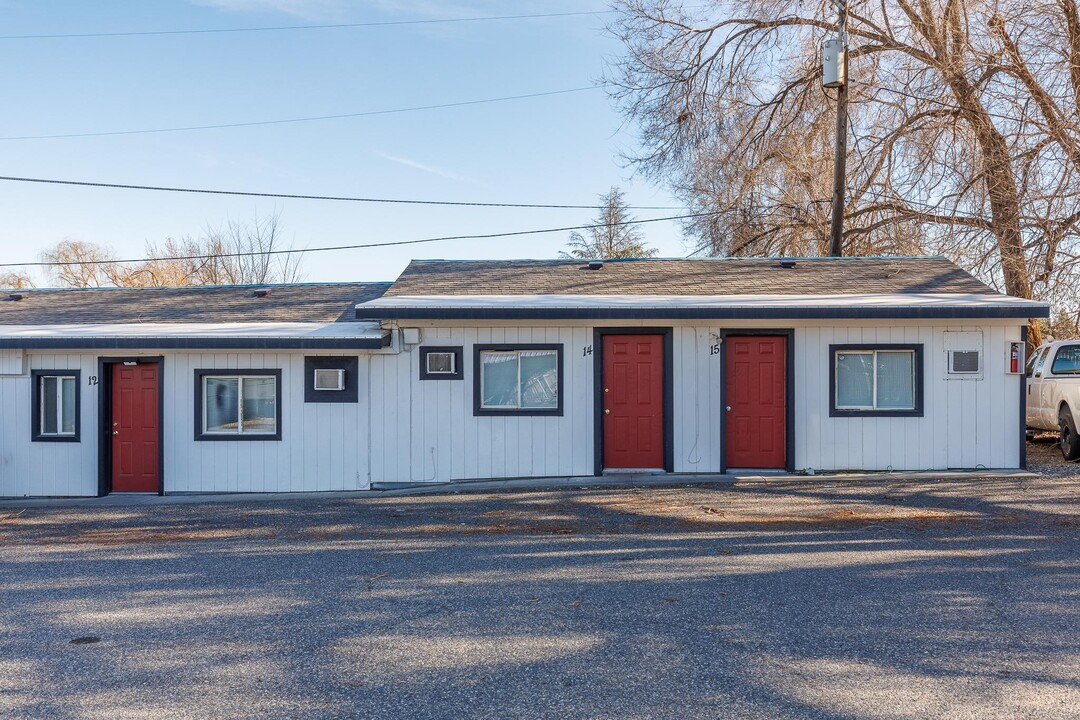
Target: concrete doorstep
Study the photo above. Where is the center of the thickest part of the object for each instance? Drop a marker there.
(519, 484)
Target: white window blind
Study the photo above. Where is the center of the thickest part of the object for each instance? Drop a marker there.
(875, 380)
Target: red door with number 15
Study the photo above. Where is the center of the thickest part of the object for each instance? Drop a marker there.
(756, 394)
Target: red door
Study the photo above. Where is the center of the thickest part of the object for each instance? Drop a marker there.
(135, 428)
(633, 402)
(756, 394)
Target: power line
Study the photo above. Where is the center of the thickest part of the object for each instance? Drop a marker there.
(334, 248)
(278, 28)
(341, 116)
(335, 198)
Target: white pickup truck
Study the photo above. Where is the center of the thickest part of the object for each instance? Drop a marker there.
(1053, 393)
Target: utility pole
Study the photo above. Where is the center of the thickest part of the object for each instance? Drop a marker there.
(834, 75)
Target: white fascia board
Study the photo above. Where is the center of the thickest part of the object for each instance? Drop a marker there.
(196, 330)
(191, 336)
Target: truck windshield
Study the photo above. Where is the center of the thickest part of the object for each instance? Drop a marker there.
(1067, 361)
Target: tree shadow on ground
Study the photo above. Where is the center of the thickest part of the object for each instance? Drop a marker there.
(824, 600)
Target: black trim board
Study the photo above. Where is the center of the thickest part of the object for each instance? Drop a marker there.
(684, 313)
(201, 436)
(459, 362)
(35, 406)
(668, 389)
(789, 391)
(1023, 399)
(485, 412)
(351, 367)
(201, 343)
(920, 380)
(105, 418)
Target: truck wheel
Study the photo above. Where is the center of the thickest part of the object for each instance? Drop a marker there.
(1070, 441)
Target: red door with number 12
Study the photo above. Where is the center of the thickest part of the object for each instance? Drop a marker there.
(134, 427)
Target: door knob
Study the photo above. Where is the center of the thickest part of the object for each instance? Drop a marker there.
(728, 408)
(607, 412)
(115, 432)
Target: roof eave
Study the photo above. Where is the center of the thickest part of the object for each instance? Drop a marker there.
(699, 313)
(195, 343)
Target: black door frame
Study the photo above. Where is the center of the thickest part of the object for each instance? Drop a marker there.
(105, 366)
(789, 390)
(666, 334)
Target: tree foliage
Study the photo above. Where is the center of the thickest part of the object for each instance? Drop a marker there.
(965, 128)
(611, 237)
(234, 254)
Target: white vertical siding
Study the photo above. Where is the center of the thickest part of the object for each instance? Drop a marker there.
(11, 362)
(407, 430)
(966, 423)
(30, 469)
(426, 431)
(696, 410)
(323, 446)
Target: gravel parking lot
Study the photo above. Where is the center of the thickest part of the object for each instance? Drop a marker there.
(764, 599)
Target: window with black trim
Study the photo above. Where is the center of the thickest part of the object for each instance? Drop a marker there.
(238, 405)
(331, 379)
(441, 363)
(876, 380)
(55, 412)
(518, 380)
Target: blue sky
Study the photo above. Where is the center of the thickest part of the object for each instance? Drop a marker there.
(560, 149)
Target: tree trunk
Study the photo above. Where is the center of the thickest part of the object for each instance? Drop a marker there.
(1002, 191)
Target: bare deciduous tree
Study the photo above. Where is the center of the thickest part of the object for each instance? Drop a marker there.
(15, 281)
(77, 263)
(235, 254)
(612, 237)
(965, 123)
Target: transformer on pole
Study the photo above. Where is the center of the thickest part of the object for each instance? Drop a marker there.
(834, 75)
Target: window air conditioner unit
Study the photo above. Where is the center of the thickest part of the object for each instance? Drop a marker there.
(329, 379)
(965, 362)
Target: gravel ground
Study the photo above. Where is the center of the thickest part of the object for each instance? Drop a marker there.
(1044, 457)
(763, 599)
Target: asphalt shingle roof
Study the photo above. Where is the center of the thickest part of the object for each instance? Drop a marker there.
(720, 276)
(304, 302)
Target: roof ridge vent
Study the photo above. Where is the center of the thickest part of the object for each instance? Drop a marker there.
(15, 297)
(787, 263)
(261, 292)
(595, 265)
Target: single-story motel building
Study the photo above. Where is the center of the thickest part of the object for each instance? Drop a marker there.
(506, 369)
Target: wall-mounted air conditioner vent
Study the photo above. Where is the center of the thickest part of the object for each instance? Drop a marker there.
(965, 362)
(441, 363)
(963, 355)
(329, 379)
